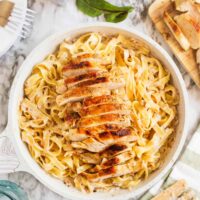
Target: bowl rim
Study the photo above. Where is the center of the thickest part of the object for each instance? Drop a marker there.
(12, 105)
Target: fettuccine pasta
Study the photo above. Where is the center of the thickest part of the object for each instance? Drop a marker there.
(153, 111)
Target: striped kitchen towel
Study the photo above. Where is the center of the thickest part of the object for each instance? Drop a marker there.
(187, 168)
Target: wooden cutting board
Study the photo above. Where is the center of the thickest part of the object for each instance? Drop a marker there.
(186, 58)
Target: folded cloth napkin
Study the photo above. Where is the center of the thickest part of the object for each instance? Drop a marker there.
(11, 191)
(187, 168)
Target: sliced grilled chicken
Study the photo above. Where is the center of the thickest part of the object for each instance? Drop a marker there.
(83, 133)
(103, 128)
(113, 171)
(106, 139)
(69, 82)
(116, 149)
(104, 82)
(114, 160)
(176, 31)
(79, 93)
(98, 100)
(76, 69)
(89, 144)
(190, 25)
(104, 119)
(104, 109)
(100, 128)
(74, 80)
(111, 137)
(62, 85)
(117, 159)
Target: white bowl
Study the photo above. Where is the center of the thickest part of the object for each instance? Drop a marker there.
(28, 164)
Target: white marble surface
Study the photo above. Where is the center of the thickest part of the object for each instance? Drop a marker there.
(54, 15)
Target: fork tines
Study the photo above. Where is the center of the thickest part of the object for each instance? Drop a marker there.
(21, 17)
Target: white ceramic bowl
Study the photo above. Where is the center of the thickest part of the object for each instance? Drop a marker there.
(26, 162)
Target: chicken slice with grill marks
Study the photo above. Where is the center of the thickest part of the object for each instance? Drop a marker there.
(77, 80)
(80, 134)
(103, 82)
(114, 171)
(76, 69)
(101, 109)
(89, 144)
(112, 137)
(101, 128)
(118, 159)
(101, 136)
(70, 82)
(115, 160)
(79, 93)
(104, 119)
(103, 99)
(104, 140)
(116, 149)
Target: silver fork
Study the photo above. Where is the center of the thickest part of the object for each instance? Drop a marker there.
(21, 17)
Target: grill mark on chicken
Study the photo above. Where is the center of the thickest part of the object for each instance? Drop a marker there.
(118, 159)
(77, 69)
(80, 134)
(115, 134)
(101, 128)
(106, 141)
(67, 83)
(79, 93)
(81, 77)
(113, 171)
(103, 119)
(93, 82)
(116, 148)
(98, 100)
(111, 162)
(102, 137)
(107, 171)
(103, 109)
(77, 65)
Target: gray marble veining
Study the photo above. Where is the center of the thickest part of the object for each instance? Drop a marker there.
(55, 15)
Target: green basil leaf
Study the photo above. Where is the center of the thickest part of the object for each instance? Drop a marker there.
(104, 5)
(115, 17)
(87, 9)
